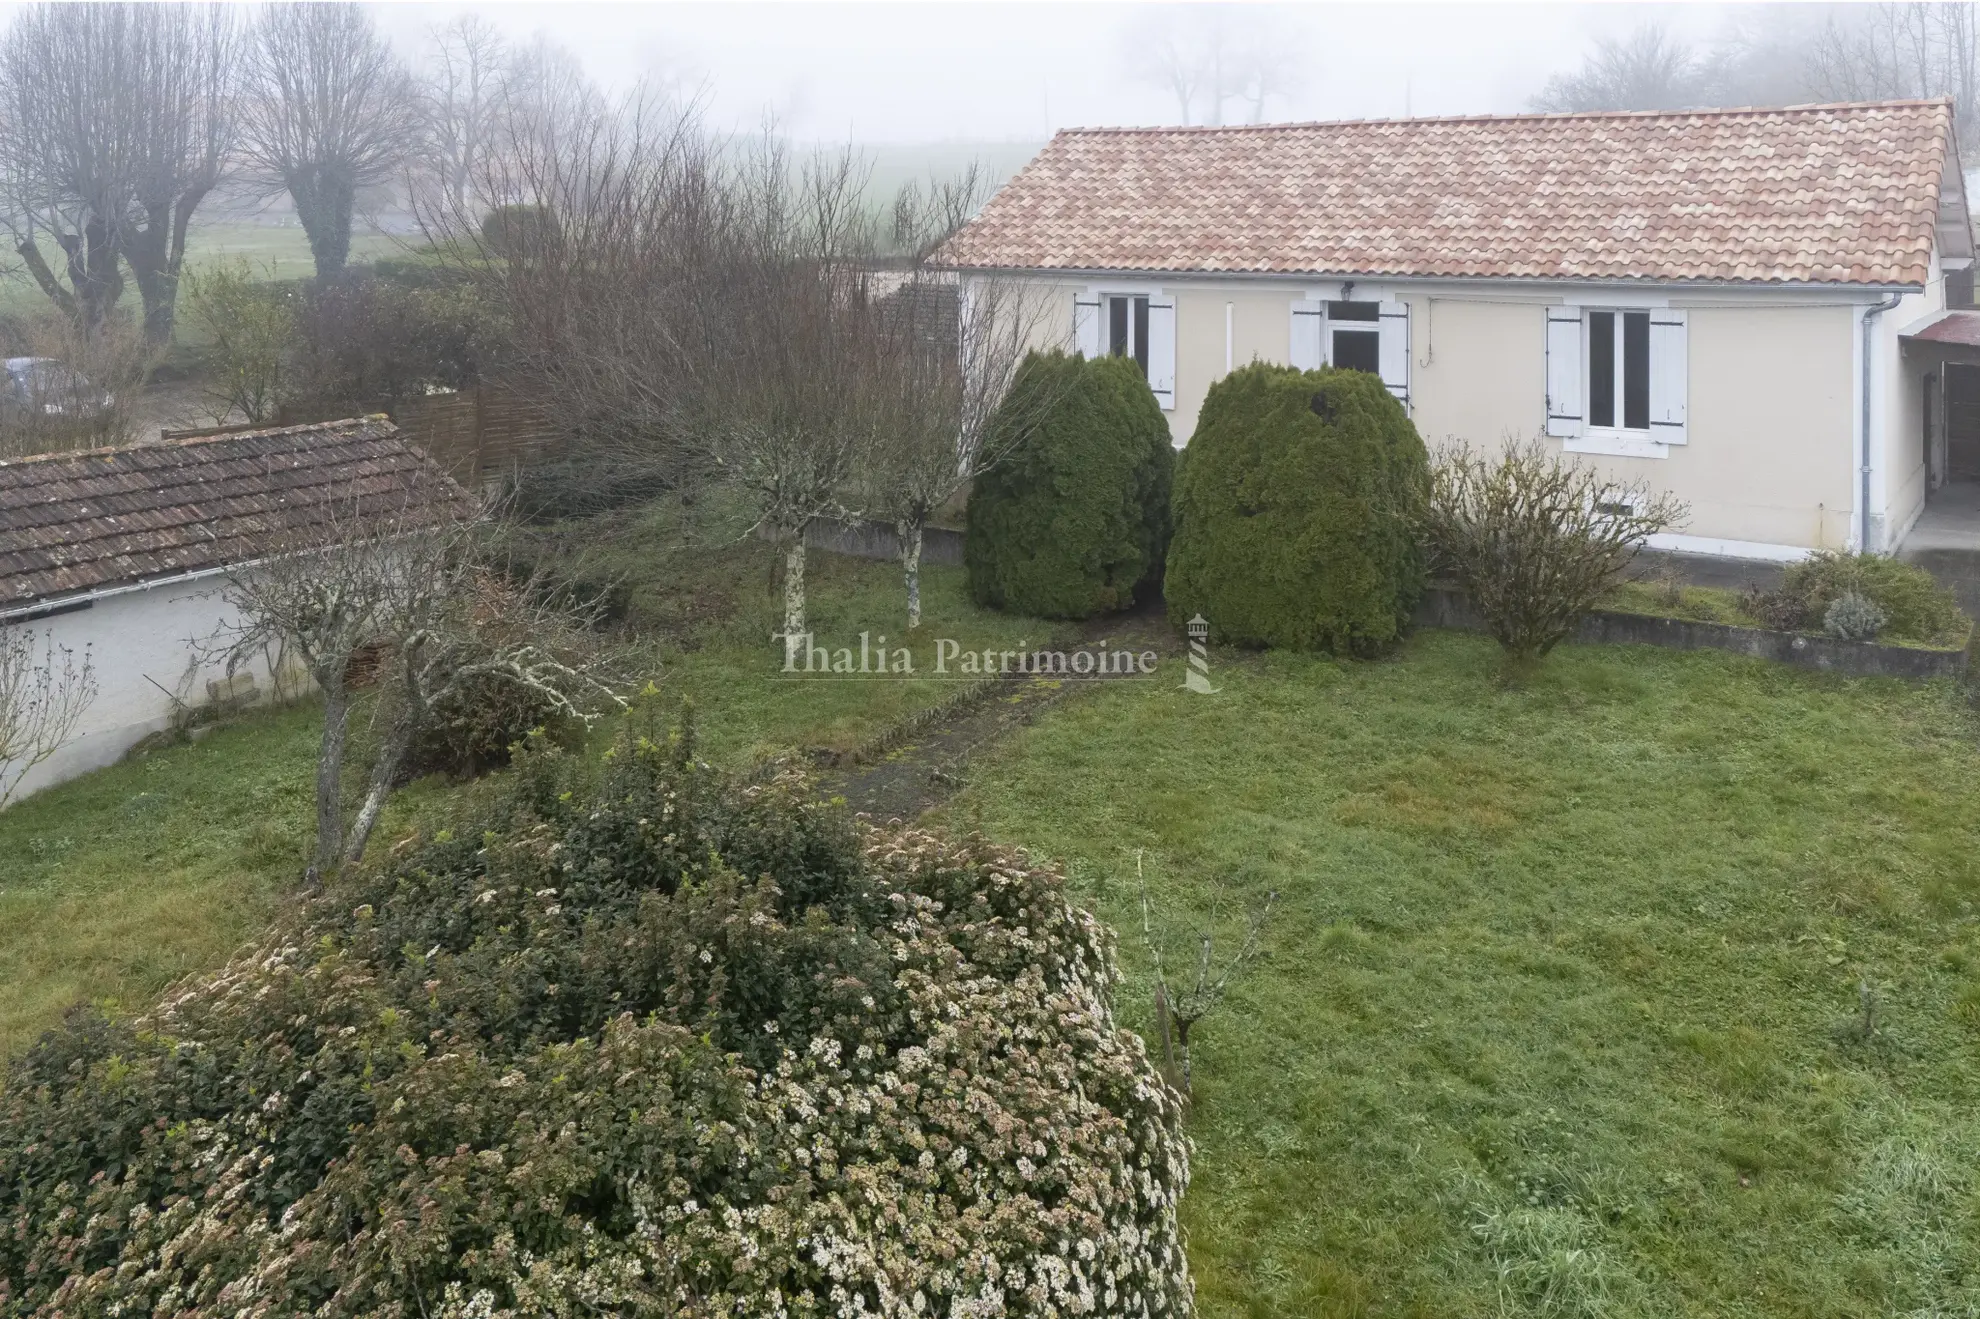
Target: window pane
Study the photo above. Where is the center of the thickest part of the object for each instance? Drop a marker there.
(1636, 370)
(1117, 327)
(1601, 368)
(1358, 350)
(1354, 311)
(1141, 334)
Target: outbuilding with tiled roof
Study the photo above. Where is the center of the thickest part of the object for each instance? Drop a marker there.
(118, 555)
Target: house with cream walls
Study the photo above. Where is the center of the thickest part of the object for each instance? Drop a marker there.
(1736, 306)
(119, 555)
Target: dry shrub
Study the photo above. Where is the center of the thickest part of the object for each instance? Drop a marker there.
(1536, 539)
(1913, 604)
(87, 401)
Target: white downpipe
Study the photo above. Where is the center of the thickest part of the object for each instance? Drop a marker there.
(1870, 317)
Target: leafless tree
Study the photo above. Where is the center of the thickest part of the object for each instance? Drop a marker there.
(190, 98)
(1208, 56)
(789, 401)
(599, 294)
(404, 576)
(1179, 1007)
(1900, 50)
(1647, 70)
(462, 86)
(329, 110)
(44, 692)
(946, 355)
(117, 121)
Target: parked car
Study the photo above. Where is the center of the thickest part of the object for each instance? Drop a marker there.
(46, 387)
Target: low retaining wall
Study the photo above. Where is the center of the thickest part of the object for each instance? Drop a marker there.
(1445, 607)
(876, 540)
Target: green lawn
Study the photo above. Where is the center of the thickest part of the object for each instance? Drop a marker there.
(280, 251)
(1554, 1016)
(117, 883)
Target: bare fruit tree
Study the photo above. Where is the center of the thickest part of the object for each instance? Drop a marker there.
(404, 580)
(329, 110)
(790, 398)
(1181, 1005)
(44, 692)
(118, 122)
(948, 350)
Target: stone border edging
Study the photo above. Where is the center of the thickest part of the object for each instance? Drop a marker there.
(1443, 606)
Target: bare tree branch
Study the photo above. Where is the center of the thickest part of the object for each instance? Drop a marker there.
(328, 110)
(116, 121)
(44, 693)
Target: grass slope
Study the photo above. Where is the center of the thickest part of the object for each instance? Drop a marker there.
(1552, 1016)
(117, 883)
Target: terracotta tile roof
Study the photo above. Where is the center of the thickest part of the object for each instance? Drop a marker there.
(74, 522)
(1842, 194)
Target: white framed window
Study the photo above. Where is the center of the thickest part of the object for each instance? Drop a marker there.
(1139, 324)
(1357, 334)
(1127, 328)
(1617, 379)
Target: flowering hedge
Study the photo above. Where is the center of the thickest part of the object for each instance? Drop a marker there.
(644, 1040)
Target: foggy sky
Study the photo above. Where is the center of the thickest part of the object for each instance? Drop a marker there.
(923, 72)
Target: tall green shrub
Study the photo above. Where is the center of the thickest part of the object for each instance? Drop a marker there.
(1077, 517)
(1296, 514)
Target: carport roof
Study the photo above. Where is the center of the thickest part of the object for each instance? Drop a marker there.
(1959, 329)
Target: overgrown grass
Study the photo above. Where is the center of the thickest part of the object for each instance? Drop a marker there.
(115, 884)
(1559, 1011)
(709, 601)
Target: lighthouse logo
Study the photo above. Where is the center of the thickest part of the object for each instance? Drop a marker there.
(1197, 679)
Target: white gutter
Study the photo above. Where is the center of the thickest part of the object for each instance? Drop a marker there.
(1870, 316)
(54, 604)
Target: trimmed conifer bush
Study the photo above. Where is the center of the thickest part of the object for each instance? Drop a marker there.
(1296, 513)
(641, 1040)
(1075, 520)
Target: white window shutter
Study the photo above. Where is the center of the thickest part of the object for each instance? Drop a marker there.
(1669, 376)
(1162, 351)
(1393, 349)
(1086, 326)
(1309, 321)
(1564, 373)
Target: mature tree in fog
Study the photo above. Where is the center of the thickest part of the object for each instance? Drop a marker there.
(1900, 50)
(1786, 55)
(1647, 70)
(118, 121)
(1211, 56)
(329, 110)
(461, 88)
